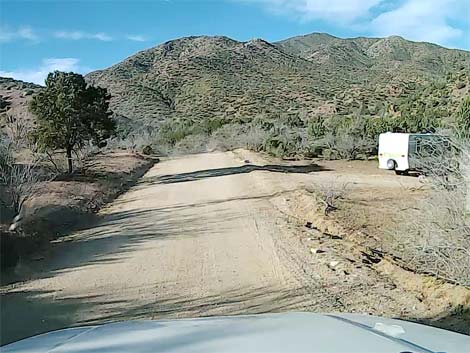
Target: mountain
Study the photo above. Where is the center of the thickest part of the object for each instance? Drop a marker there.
(312, 75)
(211, 76)
(316, 74)
(14, 97)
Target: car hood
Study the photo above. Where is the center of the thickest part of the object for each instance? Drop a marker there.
(289, 332)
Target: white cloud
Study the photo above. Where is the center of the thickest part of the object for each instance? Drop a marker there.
(438, 21)
(102, 36)
(421, 20)
(77, 35)
(48, 65)
(8, 34)
(337, 11)
(136, 37)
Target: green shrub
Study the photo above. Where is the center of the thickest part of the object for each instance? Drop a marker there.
(208, 126)
(462, 118)
(460, 85)
(291, 120)
(316, 127)
(264, 123)
(283, 142)
(275, 145)
(196, 143)
(174, 131)
(329, 154)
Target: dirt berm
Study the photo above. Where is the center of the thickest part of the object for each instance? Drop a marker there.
(71, 201)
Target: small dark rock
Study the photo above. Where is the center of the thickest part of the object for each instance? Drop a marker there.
(334, 237)
(147, 150)
(372, 258)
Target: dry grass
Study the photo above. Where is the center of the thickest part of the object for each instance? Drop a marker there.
(435, 237)
(18, 180)
(58, 205)
(329, 193)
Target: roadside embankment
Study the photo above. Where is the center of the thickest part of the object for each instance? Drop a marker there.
(70, 202)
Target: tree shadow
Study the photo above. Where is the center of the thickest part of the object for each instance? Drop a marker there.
(30, 313)
(27, 313)
(107, 240)
(240, 301)
(244, 169)
(455, 319)
(110, 238)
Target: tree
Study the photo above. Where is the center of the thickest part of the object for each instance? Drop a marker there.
(69, 114)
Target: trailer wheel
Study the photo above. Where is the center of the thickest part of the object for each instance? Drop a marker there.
(391, 164)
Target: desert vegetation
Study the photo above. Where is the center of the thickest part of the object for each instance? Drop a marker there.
(314, 75)
(69, 114)
(294, 134)
(435, 238)
(52, 173)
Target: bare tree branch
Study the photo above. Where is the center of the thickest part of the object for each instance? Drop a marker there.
(435, 239)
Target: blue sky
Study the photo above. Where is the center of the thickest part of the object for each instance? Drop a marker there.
(38, 36)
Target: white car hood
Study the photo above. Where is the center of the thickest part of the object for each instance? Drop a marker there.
(290, 332)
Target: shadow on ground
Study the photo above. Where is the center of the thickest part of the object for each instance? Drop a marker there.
(30, 313)
(247, 168)
(62, 206)
(25, 314)
(453, 319)
(110, 238)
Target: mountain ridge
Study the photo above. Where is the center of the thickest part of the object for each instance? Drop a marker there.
(315, 74)
(319, 74)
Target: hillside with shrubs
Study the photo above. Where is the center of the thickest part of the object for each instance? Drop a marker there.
(432, 107)
(300, 96)
(317, 74)
(313, 95)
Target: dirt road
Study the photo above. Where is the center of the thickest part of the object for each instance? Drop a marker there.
(197, 236)
(217, 234)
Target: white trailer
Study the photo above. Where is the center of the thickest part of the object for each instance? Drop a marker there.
(407, 152)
